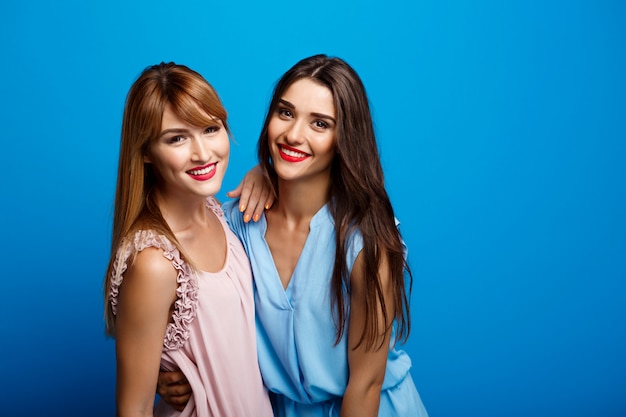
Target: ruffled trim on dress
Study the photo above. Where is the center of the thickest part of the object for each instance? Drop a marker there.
(215, 206)
(177, 332)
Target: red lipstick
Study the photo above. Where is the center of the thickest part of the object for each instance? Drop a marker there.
(290, 154)
(204, 173)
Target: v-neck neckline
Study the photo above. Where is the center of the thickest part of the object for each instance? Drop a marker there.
(288, 290)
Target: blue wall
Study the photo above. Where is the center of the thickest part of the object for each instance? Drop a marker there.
(502, 128)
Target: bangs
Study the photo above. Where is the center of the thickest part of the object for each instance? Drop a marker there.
(199, 108)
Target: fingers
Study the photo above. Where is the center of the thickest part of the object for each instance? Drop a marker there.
(248, 200)
(255, 194)
(171, 377)
(266, 199)
(178, 402)
(259, 198)
(177, 391)
(236, 192)
(174, 389)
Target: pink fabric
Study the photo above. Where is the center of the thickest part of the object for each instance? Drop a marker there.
(212, 335)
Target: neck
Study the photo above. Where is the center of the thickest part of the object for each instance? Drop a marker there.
(301, 200)
(182, 214)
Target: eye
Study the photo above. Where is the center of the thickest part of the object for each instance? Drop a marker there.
(176, 139)
(320, 124)
(284, 113)
(211, 129)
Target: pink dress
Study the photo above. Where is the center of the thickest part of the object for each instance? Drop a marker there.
(212, 336)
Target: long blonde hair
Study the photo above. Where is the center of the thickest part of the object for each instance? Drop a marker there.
(192, 98)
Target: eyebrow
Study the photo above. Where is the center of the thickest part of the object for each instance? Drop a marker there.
(320, 115)
(173, 130)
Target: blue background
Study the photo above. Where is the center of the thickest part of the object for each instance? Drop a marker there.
(502, 128)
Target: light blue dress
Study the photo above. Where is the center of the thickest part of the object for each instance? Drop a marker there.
(301, 366)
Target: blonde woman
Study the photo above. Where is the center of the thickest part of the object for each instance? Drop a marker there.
(178, 288)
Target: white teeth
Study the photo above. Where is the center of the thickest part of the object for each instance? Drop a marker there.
(293, 154)
(202, 171)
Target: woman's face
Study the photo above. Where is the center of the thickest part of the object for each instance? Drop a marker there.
(189, 160)
(302, 132)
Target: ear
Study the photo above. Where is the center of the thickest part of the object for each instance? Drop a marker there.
(146, 159)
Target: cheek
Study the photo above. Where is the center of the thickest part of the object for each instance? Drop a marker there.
(272, 129)
(328, 146)
(224, 147)
(165, 162)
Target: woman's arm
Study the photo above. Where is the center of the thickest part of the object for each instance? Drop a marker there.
(145, 298)
(366, 366)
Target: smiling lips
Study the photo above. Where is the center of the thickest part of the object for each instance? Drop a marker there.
(290, 154)
(203, 173)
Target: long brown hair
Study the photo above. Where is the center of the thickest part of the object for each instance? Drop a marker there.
(192, 98)
(358, 198)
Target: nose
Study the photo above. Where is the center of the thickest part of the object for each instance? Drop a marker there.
(296, 132)
(199, 150)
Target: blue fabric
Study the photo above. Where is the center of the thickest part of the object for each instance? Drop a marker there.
(299, 360)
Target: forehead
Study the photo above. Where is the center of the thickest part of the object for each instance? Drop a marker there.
(195, 117)
(310, 96)
(169, 116)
